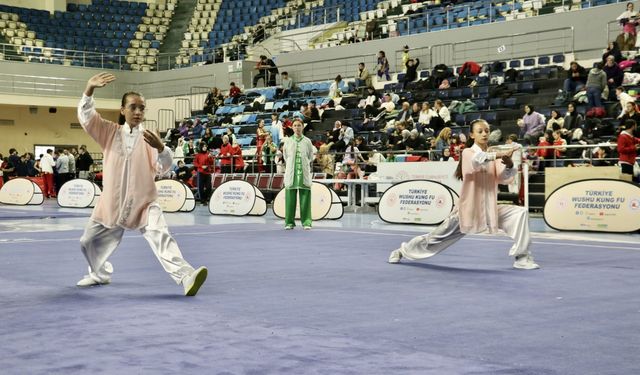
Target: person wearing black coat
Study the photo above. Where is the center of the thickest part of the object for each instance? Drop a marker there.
(615, 75)
(412, 72)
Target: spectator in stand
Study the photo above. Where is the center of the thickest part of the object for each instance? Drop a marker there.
(204, 164)
(443, 140)
(83, 164)
(574, 155)
(614, 76)
(573, 119)
(405, 113)
(630, 113)
(314, 114)
(424, 119)
(324, 163)
(237, 159)
(415, 112)
(363, 148)
(345, 136)
(628, 146)
(207, 138)
(183, 173)
(624, 98)
(411, 72)
(559, 153)
(234, 92)
(269, 150)
(258, 33)
(213, 100)
(627, 40)
(363, 77)
(576, 79)
(232, 135)
(442, 117)
(415, 143)
(405, 56)
(225, 155)
(46, 166)
(277, 132)
(531, 125)
(334, 89)
(456, 147)
(286, 85)
(261, 135)
(196, 131)
(383, 66)
(612, 50)
(596, 84)
(545, 140)
(184, 128)
(286, 127)
(14, 160)
(189, 150)
(6, 169)
(555, 122)
(263, 71)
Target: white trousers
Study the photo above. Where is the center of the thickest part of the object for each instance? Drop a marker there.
(99, 242)
(513, 220)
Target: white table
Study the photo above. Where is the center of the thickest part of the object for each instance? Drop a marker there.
(351, 191)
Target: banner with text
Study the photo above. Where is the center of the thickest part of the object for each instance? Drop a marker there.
(237, 198)
(323, 204)
(440, 171)
(78, 193)
(597, 205)
(175, 196)
(21, 191)
(416, 202)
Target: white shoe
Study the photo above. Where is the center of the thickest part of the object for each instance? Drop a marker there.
(525, 262)
(89, 280)
(395, 256)
(93, 279)
(288, 227)
(308, 227)
(194, 281)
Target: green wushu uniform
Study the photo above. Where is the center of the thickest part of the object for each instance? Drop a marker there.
(298, 155)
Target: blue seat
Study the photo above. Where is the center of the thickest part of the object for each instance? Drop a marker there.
(514, 64)
(490, 117)
(511, 102)
(527, 87)
(543, 60)
(529, 62)
(495, 103)
(481, 104)
(558, 59)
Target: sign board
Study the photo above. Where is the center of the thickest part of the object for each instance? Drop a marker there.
(237, 198)
(416, 202)
(325, 203)
(21, 191)
(439, 171)
(175, 196)
(78, 193)
(595, 205)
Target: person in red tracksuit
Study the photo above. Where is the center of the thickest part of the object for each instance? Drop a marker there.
(205, 166)
(628, 147)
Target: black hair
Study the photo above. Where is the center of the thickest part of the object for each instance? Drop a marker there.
(629, 123)
(121, 119)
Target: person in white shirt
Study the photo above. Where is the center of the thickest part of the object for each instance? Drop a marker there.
(624, 98)
(334, 89)
(46, 166)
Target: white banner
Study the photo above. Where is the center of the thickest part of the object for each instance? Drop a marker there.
(322, 203)
(595, 205)
(237, 198)
(175, 196)
(21, 191)
(440, 171)
(78, 193)
(416, 202)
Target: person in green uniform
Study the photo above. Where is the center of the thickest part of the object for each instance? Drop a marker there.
(298, 155)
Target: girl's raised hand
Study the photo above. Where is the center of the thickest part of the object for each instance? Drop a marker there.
(101, 79)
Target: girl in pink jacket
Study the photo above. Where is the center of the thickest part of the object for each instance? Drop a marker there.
(128, 201)
(481, 170)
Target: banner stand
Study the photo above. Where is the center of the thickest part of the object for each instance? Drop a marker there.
(422, 202)
(21, 192)
(237, 198)
(78, 193)
(175, 196)
(323, 202)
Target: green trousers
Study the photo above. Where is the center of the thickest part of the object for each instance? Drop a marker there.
(290, 198)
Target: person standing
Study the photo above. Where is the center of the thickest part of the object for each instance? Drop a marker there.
(46, 166)
(62, 167)
(129, 197)
(84, 163)
(628, 146)
(204, 165)
(298, 155)
(481, 169)
(72, 165)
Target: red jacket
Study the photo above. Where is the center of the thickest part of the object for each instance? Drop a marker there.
(238, 162)
(224, 150)
(627, 148)
(204, 159)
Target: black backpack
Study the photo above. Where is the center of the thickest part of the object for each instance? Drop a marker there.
(511, 75)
